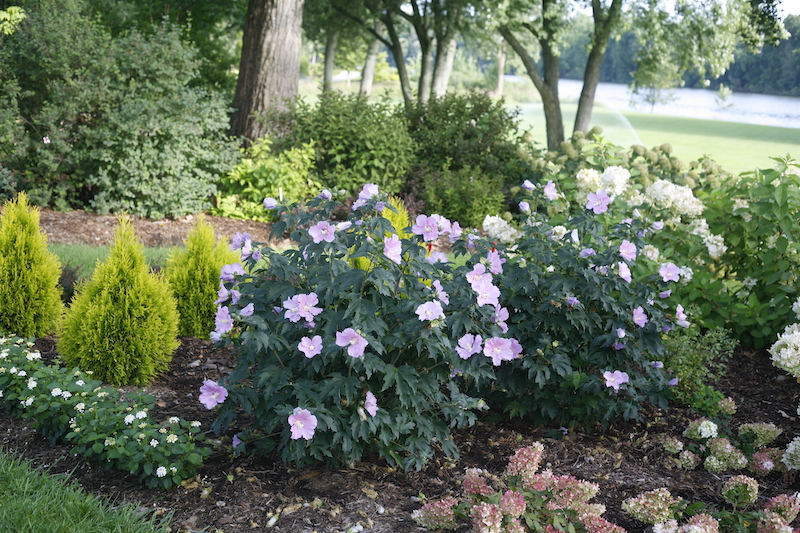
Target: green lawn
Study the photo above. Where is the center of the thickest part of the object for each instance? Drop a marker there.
(736, 147)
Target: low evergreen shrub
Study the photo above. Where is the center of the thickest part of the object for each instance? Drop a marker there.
(193, 276)
(30, 297)
(466, 195)
(123, 323)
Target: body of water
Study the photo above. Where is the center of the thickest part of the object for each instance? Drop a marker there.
(766, 110)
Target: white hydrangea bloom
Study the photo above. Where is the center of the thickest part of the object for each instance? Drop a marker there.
(614, 180)
(161, 471)
(699, 226)
(651, 252)
(676, 198)
(686, 273)
(715, 245)
(785, 353)
(791, 457)
(558, 232)
(498, 229)
(588, 180)
(707, 429)
(796, 307)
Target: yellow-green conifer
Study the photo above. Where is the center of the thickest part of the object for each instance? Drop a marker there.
(123, 323)
(30, 297)
(193, 275)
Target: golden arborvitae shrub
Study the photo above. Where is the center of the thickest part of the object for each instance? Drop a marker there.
(193, 276)
(30, 297)
(123, 323)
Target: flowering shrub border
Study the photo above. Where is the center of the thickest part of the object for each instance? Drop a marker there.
(103, 424)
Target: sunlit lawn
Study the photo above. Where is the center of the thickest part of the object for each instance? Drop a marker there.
(737, 147)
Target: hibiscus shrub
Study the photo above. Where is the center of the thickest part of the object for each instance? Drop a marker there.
(345, 343)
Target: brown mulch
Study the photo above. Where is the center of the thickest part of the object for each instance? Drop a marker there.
(238, 494)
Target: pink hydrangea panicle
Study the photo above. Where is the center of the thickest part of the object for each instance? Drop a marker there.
(487, 517)
(392, 248)
(512, 503)
(426, 226)
(788, 506)
(652, 507)
(525, 461)
(322, 231)
(302, 424)
(371, 404)
(212, 394)
(740, 490)
(773, 522)
(474, 484)
(355, 343)
(437, 515)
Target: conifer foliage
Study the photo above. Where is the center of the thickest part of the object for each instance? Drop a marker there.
(123, 323)
(30, 297)
(193, 276)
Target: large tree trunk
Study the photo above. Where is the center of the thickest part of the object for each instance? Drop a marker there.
(603, 25)
(269, 70)
(425, 70)
(396, 47)
(546, 85)
(368, 72)
(330, 56)
(443, 66)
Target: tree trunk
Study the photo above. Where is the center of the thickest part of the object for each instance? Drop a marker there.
(396, 48)
(443, 66)
(330, 55)
(269, 70)
(425, 66)
(546, 85)
(603, 24)
(368, 72)
(501, 71)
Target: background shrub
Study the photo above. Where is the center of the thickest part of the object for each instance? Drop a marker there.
(123, 322)
(193, 276)
(287, 176)
(470, 130)
(109, 124)
(30, 297)
(466, 195)
(356, 141)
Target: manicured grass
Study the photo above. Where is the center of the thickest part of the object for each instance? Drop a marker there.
(31, 501)
(85, 256)
(736, 147)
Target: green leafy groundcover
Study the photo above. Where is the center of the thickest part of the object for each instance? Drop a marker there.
(102, 424)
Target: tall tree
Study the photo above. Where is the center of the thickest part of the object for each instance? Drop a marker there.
(697, 35)
(269, 70)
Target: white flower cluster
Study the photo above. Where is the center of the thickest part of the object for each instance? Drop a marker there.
(651, 252)
(715, 244)
(588, 180)
(786, 350)
(791, 457)
(614, 180)
(707, 429)
(796, 307)
(741, 204)
(498, 229)
(677, 198)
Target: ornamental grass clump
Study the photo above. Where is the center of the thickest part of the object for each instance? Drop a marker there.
(30, 296)
(193, 275)
(123, 323)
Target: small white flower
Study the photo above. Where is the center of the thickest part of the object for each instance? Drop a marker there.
(109, 442)
(153, 442)
(80, 383)
(172, 438)
(174, 420)
(173, 470)
(195, 424)
(22, 373)
(32, 384)
(141, 414)
(55, 392)
(13, 370)
(161, 471)
(80, 407)
(129, 419)
(1, 394)
(707, 429)
(29, 402)
(66, 394)
(142, 425)
(32, 356)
